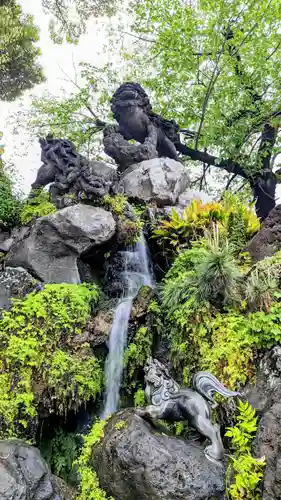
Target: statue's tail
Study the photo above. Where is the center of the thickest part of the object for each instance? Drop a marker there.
(207, 384)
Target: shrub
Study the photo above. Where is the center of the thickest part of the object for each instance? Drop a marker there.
(244, 473)
(9, 204)
(61, 453)
(234, 219)
(38, 364)
(38, 205)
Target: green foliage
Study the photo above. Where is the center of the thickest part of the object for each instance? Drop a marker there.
(139, 398)
(62, 26)
(204, 335)
(218, 276)
(61, 453)
(39, 360)
(19, 67)
(244, 472)
(89, 485)
(137, 354)
(9, 204)
(116, 204)
(179, 231)
(37, 206)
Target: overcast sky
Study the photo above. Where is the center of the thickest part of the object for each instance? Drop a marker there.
(54, 59)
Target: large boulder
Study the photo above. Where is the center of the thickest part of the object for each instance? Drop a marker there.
(265, 396)
(51, 249)
(268, 240)
(15, 282)
(135, 461)
(159, 181)
(24, 475)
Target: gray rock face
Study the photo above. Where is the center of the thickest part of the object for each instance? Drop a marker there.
(268, 240)
(190, 194)
(265, 396)
(15, 282)
(160, 180)
(55, 242)
(24, 474)
(134, 461)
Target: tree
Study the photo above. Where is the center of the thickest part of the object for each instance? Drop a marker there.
(69, 16)
(19, 66)
(214, 66)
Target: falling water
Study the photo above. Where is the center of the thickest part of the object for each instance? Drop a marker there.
(136, 274)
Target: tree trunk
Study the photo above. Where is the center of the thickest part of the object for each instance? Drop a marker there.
(264, 194)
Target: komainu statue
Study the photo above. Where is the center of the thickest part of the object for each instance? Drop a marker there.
(70, 172)
(171, 403)
(133, 112)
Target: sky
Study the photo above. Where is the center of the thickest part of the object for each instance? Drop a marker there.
(55, 60)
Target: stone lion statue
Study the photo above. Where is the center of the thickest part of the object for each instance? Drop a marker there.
(171, 403)
(133, 112)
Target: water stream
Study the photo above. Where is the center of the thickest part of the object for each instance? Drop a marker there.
(136, 274)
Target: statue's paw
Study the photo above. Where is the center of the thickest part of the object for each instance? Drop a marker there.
(140, 412)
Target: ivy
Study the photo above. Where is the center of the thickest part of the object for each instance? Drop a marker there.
(244, 473)
(89, 483)
(40, 363)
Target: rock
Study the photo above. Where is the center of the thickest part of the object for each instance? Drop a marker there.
(265, 396)
(190, 194)
(54, 243)
(268, 240)
(134, 461)
(160, 181)
(141, 303)
(15, 282)
(68, 492)
(98, 329)
(24, 475)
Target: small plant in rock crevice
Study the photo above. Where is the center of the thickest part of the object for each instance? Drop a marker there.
(129, 227)
(36, 206)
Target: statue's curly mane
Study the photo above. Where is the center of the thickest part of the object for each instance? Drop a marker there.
(131, 93)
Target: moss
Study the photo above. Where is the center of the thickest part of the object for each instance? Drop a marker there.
(128, 228)
(120, 425)
(136, 355)
(38, 363)
(38, 205)
(89, 486)
(116, 204)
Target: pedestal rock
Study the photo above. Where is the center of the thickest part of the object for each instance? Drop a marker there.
(160, 181)
(133, 460)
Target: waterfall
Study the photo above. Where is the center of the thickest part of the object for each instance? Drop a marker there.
(136, 274)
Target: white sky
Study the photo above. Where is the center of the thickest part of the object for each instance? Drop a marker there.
(19, 149)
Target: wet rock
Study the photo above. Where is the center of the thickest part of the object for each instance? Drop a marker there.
(15, 282)
(141, 303)
(54, 243)
(265, 396)
(135, 461)
(98, 329)
(24, 475)
(159, 181)
(268, 240)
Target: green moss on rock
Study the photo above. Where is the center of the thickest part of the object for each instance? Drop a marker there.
(39, 364)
